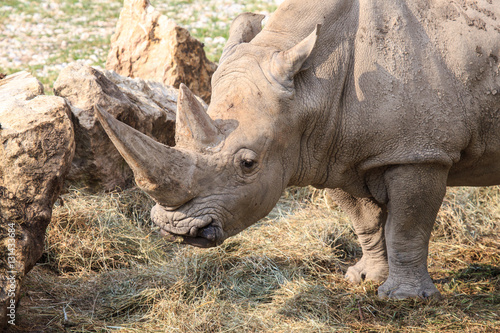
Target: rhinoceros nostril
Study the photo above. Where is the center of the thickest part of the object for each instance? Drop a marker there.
(209, 232)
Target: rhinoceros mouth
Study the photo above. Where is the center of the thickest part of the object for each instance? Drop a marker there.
(206, 238)
(198, 228)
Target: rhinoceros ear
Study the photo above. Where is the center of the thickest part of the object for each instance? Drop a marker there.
(194, 128)
(243, 29)
(286, 64)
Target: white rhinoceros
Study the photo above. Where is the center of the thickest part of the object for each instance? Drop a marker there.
(383, 102)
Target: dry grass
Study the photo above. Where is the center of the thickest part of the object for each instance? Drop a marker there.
(106, 270)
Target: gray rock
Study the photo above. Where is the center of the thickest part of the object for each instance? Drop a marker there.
(36, 149)
(147, 106)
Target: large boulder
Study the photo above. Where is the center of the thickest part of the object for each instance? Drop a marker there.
(148, 106)
(148, 45)
(36, 149)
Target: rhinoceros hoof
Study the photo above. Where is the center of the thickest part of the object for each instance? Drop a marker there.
(367, 269)
(398, 289)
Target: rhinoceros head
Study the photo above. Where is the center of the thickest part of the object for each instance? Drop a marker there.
(231, 162)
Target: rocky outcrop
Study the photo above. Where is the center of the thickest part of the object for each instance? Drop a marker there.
(36, 149)
(19, 86)
(148, 45)
(147, 106)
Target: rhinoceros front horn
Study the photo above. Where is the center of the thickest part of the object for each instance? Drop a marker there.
(165, 173)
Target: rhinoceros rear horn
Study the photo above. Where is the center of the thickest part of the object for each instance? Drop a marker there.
(194, 129)
(165, 173)
(243, 29)
(286, 64)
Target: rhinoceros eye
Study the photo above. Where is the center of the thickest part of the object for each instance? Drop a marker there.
(247, 164)
(246, 161)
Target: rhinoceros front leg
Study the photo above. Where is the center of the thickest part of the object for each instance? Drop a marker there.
(368, 218)
(415, 193)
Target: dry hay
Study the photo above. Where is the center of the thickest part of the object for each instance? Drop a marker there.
(106, 270)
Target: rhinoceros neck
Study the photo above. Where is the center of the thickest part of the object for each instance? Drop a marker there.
(296, 19)
(320, 89)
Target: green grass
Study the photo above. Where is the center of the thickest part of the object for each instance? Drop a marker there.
(68, 20)
(57, 27)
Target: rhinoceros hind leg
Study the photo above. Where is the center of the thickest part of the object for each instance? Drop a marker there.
(368, 218)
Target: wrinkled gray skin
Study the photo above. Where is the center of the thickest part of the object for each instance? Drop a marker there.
(386, 105)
